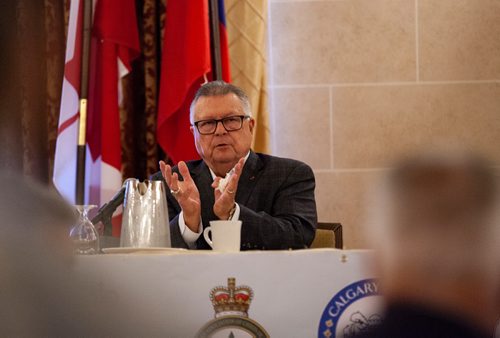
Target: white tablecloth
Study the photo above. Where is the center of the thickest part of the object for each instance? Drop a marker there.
(292, 290)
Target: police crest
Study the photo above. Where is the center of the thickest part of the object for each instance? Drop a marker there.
(231, 320)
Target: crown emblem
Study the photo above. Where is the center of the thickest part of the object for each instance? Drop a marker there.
(231, 300)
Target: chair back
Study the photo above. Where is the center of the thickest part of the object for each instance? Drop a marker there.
(328, 235)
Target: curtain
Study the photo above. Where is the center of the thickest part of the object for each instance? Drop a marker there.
(246, 29)
(32, 64)
(140, 153)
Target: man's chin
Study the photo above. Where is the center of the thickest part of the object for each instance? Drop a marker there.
(224, 157)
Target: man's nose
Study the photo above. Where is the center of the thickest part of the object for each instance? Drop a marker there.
(219, 128)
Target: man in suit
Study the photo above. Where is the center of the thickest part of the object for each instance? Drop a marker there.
(273, 197)
(435, 228)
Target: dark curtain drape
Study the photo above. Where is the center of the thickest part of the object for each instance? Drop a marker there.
(140, 152)
(29, 80)
(32, 67)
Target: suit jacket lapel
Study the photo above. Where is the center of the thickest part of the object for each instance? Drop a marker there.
(249, 176)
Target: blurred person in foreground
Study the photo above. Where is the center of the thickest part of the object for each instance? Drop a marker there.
(436, 234)
(41, 294)
(35, 257)
(272, 196)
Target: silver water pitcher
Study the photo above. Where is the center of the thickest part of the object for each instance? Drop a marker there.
(145, 222)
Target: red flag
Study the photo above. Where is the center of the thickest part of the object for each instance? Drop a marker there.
(185, 61)
(67, 135)
(114, 44)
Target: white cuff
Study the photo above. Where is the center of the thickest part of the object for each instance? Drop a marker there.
(189, 236)
(236, 214)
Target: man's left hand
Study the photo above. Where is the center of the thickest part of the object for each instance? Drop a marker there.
(225, 200)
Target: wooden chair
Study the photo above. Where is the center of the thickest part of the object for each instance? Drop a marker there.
(328, 235)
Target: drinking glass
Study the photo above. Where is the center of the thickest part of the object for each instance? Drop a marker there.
(84, 234)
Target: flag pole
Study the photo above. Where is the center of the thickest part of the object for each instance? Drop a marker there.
(84, 88)
(215, 40)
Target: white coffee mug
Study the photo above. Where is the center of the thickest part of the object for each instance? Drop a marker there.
(226, 235)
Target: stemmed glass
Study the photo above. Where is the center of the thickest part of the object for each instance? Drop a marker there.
(84, 234)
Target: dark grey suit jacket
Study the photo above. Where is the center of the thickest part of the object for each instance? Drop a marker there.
(276, 199)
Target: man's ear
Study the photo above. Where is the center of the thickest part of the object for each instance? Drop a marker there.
(192, 129)
(251, 125)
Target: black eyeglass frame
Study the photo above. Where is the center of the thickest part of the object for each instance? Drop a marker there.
(241, 117)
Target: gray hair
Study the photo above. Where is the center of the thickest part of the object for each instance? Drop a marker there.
(220, 88)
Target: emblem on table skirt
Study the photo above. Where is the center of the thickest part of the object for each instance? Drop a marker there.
(353, 310)
(231, 306)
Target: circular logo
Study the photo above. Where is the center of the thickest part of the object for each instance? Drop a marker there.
(353, 310)
(232, 326)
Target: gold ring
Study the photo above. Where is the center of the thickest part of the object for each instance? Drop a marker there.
(175, 192)
(229, 191)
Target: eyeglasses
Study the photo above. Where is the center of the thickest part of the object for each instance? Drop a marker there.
(230, 123)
